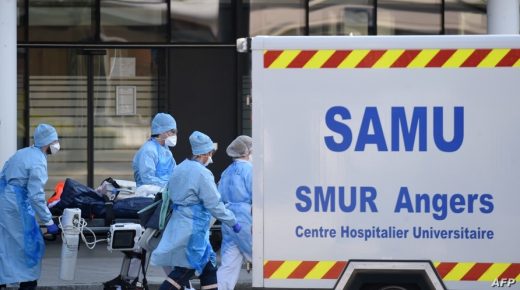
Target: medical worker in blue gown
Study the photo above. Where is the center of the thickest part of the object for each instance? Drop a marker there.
(235, 186)
(22, 197)
(153, 164)
(185, 241)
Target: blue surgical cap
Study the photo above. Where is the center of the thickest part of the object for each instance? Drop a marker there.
(200, 143)
(44, 134)
(162, 123)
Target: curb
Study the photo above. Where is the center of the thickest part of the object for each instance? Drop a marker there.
(242, 286)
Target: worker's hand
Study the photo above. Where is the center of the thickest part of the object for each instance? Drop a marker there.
(237, 227)
(53, 229)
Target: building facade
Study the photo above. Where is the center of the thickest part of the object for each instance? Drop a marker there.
(98, 70)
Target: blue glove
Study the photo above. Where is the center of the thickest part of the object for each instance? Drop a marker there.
(237, 227)
(53, 229)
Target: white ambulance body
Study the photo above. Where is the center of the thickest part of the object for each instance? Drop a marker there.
(377, 156)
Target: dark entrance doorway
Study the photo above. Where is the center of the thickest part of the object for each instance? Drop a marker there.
(202, 96)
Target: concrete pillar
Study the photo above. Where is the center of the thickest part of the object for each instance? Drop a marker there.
(8, 122)
(503, 16)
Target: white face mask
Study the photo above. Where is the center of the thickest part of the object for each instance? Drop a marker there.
(251, 158)
(55, 148)
(171, 141)
(208, 162)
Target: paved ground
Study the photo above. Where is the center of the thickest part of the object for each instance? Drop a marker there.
(97, 266)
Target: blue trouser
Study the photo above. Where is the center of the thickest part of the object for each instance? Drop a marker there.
(31, 285)
(181, 276)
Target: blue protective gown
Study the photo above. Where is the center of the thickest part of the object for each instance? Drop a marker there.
(22, 182)
(185, 241)
(153, 164)
(235, 186)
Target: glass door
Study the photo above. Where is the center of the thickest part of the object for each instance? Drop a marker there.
(101, 101)
(58, 96)
(126, 87)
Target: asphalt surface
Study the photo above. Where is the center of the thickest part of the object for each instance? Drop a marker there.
(93, 267)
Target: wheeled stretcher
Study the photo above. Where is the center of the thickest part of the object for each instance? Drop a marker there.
(100, 211)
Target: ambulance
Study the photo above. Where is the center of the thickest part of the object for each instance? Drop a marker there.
(386, 162)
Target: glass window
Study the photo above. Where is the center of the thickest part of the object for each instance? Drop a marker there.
(341, 17)
(20, 20)
(397, 17)
(125, 84)
(61, 21)
(133, 20)
(276, 17)
(465, 17)
(58, 96)
(21, 98)
(126, 87)
(202, 21)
